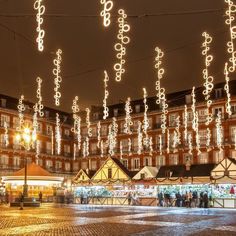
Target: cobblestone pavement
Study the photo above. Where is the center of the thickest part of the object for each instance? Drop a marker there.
(82, 220)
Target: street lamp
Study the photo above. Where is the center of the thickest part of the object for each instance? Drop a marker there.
(26, 138)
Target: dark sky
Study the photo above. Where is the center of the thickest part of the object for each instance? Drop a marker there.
(88, 47)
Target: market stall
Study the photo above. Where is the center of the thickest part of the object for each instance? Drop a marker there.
(38, 180)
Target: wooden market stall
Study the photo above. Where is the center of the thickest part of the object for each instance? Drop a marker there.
(38, 180)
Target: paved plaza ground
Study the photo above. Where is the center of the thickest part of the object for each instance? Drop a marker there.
(117, 220)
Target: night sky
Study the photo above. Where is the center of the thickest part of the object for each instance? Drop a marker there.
(75, 26)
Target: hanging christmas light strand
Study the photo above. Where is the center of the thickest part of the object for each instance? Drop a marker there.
(160, 72)
(88, 123)
(105, 13)
(58, 134)
(185, 123)
(128, 119)
(58, 79)
(219, 132)
(140, 138)
(6, 136)
(40, 8)
(150, 146)
(38, 107)
(102, 149)
(190, 144)
(121, 150)
(208, 139)
(145, 118)
(168, 142)
(129, 146)
(226, 88)
(99, 134)
(120, 46)
(106, 94)
(160, 144)
(197, 135)
(21, 109)
(208, 84)
(52, 143)
(193, 107)
(230, 12)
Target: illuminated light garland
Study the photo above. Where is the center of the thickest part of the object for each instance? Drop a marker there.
(120, 47)
(145, 118)
(39, 19)
(35, 125)
(106, 94)
(37, 151)
(6, 136)
(121, 150)
(208, 84)
(105, 13)
(129, 146)
(88, 123)
(219, 132)
(190, 144)
(185, 123)
(164, 114)
(84, 149)
(58, 134)
(193, 107)
(39, 106)
(230, 12)
(128, 119)
(226, 88)
(58, 79)
(160, 72)
(198, 146)
(21, 109)
(140, 138)
(74, 153)
(235, 141)
(168, 142)
(175, 141)
(112, 134)
(77, 121)
(102, 147)
(208, 141)
(177, 128)
(160, 144)
(150, 146)
(87, 146)
(99, 134)
(52, 141)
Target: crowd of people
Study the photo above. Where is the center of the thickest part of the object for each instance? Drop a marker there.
(188, 199)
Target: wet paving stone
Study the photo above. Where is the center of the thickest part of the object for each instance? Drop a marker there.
(66, 220)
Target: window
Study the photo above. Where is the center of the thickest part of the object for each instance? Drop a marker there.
(40, 162)
(93, 165)
(147, 161)
(202, 114)
(215, 136)
(216, 110)
(233, 154)
(232, 133)
(115, 112)
(218, 93)
(16, 161)
(218, 156)
(5, 118)
(93, 147)
(95, 116)
(3, 102)
(4, 159)
(66, 150)
(28, 123)
(174, 159)
(49, 129)
(158, 122)
(40, 127)
(16, 122)
(109, 173)
(103, 130)
(122, 127)
(49, 164)
(75, 166)
(94, 131)
(136, 163)
(125, 163)
(58, 165)
(160, 137)
(67, 166)
(84, 132)
(172, 119)
(161, 160)
(125, 144)
(203, 136)
(136, 122)
(48, 147)
(142, 176)
(233, 108)
(84, 165)
(47, 114)
(137, 108)
(188, 99)
(203, 158)
(150, 122)
(135, 144)
(29, 160)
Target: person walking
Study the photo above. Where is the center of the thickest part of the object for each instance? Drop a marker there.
(129, 198)
(21, 200)
(40, 197)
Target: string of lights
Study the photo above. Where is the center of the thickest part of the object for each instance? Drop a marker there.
(105, 13)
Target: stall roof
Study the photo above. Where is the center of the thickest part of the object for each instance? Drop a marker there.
(32, 170)
(180, 171)
(151, 172)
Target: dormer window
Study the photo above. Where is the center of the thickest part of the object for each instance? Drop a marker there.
(115, 111)
(218, 93)
(137, 108)
(3, 102)
(188, 99)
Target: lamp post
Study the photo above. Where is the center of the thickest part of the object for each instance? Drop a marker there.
(26, 138)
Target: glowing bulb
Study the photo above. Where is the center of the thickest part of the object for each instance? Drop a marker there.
(120, 47)
(105, 13)
(58, 79)
(39, 19)
(105, 108)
